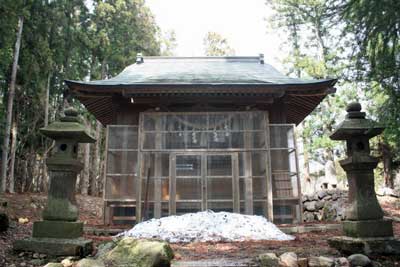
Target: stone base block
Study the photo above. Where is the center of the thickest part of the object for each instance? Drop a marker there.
(368, 246)
(368, 228)
(57, 229)
(55, 246)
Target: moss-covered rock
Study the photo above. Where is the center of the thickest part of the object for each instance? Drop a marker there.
(89, 263)
(268, 260)
(54, 264)
(140, 253)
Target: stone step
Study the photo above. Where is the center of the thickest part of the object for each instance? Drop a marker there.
(104, 231)
(215, 263)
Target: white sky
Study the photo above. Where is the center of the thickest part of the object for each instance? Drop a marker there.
(242, 22)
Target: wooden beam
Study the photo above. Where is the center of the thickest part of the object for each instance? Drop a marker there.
(235, 182)
(300, 207)
(157, 170)
(172, 184)
(204, 190)
(141, 170)
(270, 205)
(106, 209)
(248, 169)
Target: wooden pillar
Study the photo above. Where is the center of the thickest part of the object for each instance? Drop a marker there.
(106, 208)
(172, 184)
(268, 171)
(125, 161)
(157, 169)
(248, 167)
(235, 182)
(204, 203)
(141, 171)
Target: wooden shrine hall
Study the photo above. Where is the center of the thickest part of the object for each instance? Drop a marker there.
(186, 134)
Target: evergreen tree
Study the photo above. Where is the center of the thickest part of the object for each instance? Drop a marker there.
(216, 45)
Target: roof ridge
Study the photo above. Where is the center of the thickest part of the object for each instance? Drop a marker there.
(204, 58)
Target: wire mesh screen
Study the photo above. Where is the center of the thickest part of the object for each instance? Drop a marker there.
(211, 131)
(222, 161)
(285, 176)
(121, 167)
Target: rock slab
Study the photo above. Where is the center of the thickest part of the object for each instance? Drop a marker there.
(140, 253)
(320, 262)
(367, 246)
(90, 263)
(359, 260)
(55, 246)
(288, 259)
(268, 260)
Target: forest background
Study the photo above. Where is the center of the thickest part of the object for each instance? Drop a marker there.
(43, 42)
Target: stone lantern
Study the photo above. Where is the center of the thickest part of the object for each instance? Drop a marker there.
(365, 230)
(59, 233)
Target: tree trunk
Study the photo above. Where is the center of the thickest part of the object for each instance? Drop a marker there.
(330, 170)
(104, 69)
(24, 167)
(306, 169)
(10, 103)
(387, 160)
(14, 132)
(36, 172)
(86, 166)
(45, 178)
(96, 161)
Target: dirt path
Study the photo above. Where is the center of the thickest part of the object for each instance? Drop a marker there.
(30, 206)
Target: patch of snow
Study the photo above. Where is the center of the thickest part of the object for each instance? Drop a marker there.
(208, 226)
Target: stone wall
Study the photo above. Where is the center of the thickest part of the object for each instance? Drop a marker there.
(324, 205)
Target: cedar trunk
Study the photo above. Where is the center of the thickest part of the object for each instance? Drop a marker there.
(14, 132)
(86, 167)
(10, 102)
(96, 161)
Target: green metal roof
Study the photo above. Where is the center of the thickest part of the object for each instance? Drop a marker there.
(180, 79)
(200, 71)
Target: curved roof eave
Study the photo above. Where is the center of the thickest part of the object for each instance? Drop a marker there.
(88, 86)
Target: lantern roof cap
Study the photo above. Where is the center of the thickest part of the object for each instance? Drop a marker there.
(355, 124)
(69, 127)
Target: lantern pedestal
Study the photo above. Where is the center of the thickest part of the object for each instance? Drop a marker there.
(59, 233)
(368, 246)
(55, 246)
(365, 230)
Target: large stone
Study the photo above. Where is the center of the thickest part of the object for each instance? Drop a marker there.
(319, 204)
(368, 228)
(4, 223)
(321, 194)
(302, 262)
(320, 262)
(309, 216)
(288, 259)
(329, 212)
(268, 260)
(57, 229)
(67, 262)
(90, 263)
(359, 260)
(310, 206)
(368, 246)
(55, 246)
(53, 264)
(140, 253)
(342, 262)
(104, 248)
